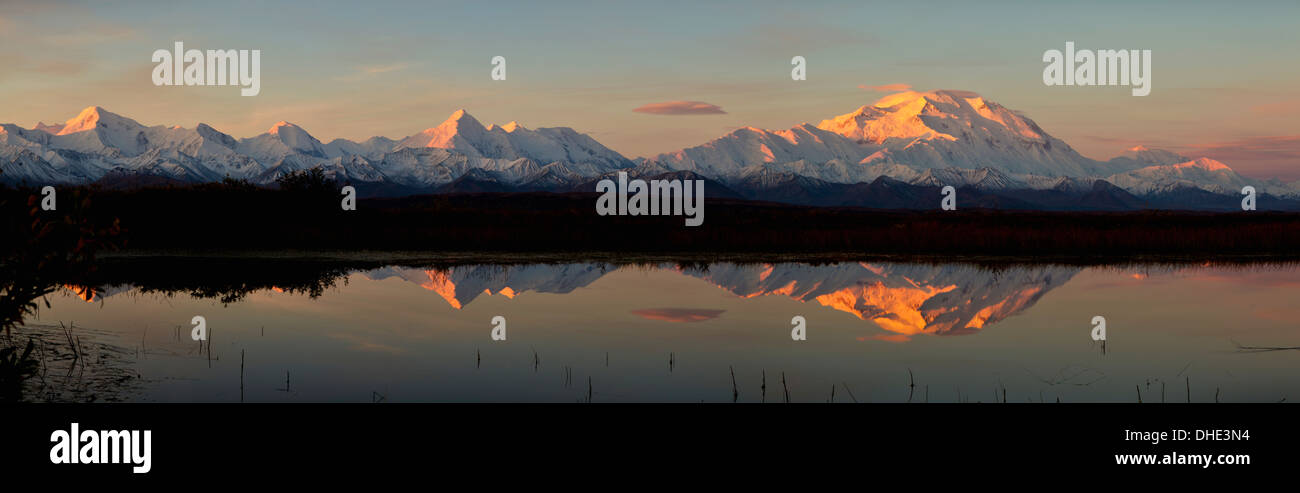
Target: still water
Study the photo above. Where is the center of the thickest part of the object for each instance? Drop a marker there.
(876, 332)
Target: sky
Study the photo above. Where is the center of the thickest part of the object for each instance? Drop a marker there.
(1225, 82)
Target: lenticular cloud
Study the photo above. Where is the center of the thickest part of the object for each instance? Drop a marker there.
(681, 108)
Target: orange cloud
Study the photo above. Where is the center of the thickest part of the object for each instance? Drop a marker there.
(681, 108)
(886, 87)
(678, 314)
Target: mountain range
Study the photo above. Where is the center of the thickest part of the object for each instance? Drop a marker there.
(906, 299)
(895, 153)
(903, 299)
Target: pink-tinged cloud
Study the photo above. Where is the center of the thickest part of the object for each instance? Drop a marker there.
(886, 87)
(1275, 156)
(1288, 107)
(678, 314)
(681, 108)
(1278, 314)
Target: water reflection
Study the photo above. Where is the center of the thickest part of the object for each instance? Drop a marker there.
(673, 332)
(907, 299)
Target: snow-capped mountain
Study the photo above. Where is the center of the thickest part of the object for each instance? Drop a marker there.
(944, 138)
(97, 144)
(1142, 156)
(958, 129)
(462, 133)
(372, 147)
(729, 155)
(906, 299)
(940, 129)
(1201, 173)
(284, 139)
(920, 139)
(462, 284)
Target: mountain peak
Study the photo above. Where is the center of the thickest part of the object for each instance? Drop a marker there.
(461, 116)
(95, 116)
(283, 126)
(893, 116)
(296, 138)
(1148, 156)
(465, 135)
(919, 130)
(460, 121)
(49, 129)
(937, 97)
(943, 114)
(1203, 163)
(459, 124)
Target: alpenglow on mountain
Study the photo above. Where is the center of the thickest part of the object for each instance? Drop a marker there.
(904, 299)
(867, 157)
(98, 144)
(943, 138)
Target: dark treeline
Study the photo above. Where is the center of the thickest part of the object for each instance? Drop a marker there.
(235, 216)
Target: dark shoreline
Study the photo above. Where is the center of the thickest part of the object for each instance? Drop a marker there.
(225, 218)
(364, 259)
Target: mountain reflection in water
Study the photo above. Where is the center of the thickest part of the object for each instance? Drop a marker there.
(672, 332)
(908, 299)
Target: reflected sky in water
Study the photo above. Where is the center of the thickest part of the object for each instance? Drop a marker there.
(965, 332)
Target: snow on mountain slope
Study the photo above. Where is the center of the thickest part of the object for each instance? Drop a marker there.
(1059, 183)
(96, 130)
(930, 139)
(940, 129)
(983, 178)
(728, 155)
(1142, 156)
(427, 167)
(50, 129)
(906, 299)
(960, 129)
(942, 138)
(23, 165)
(1203, 173)
(13, 135)
(97, 143)
(370, 148)
(460, 285)
(206, 153)
(282, 140)
(464, 134)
